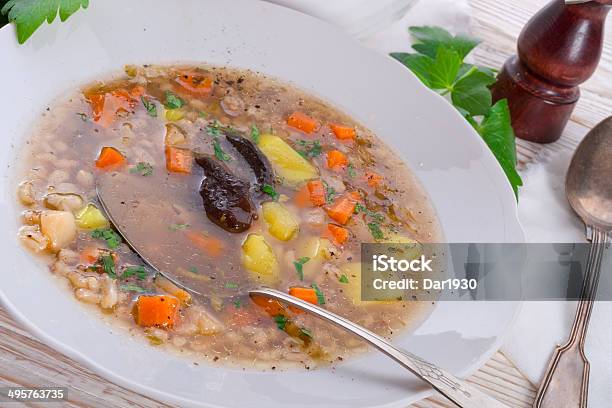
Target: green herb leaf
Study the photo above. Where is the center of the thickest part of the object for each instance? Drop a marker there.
(351, 170)
(139, 271)
(320, 296)
(214, 129)
(420, 65)
(496, 130)
(281, 321)
(108, 265)
(269, 190)
(360, 208)
(330, 193)
(149, 106)
(178, 227)
(255, 134)
(231, 285)
(472, 92)
(145, 169)
(130, 287)
(343, 279)
(444, 69)
(219, 153)
(310, 149)
(376, 231)
(429, 39)
(305, 332)
(173, 101)
(299, 266)
(193, 269)
(113, 240)
(28, 15)
(237, 303)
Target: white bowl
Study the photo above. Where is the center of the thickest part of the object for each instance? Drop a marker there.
(470, 192)
(359, 18)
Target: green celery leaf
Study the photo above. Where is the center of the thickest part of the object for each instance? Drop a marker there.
(444, 69)
(496, 130)
(472, 92)
(28, 15)
(429, 39)
(420, 65)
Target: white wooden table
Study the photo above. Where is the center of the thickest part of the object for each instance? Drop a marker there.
(26, 362)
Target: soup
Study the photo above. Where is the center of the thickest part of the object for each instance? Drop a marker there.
(224, 180)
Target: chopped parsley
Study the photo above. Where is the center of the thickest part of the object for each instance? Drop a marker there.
(219, 153)
(231, 285)
(281, 321)
(237, 303)
(173, 101)
(310, 149)
(193, 269)
(149, 106)
(139, 271)
(305, 332)
(376, 231)
(343, 279)
(108, 265)
(330, 193)
(255, 134)
(214, 129)
(145, 169)
(320, 296)
(113, 240)
(351, 170)
(377, 217)
(130, 287)
(178, 227)
(299, 266)
(269, 190)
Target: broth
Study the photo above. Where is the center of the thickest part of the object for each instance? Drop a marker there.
(225, 180)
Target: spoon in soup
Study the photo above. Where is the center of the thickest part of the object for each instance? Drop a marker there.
(458, 391)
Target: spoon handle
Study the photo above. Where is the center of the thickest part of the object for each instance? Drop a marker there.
(566, 382)
(458, 391)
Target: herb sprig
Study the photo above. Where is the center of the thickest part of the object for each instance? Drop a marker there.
(28, 15)
(113, 240)
(299, 266)
(439, 64)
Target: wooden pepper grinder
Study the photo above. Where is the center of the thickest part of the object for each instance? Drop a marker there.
(558, 49)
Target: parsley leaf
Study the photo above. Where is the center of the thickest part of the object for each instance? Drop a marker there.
(29, 15)
(269, 190)
(231, 285)
(496, 130)
(178, 227)
(429, 40)
(471, 92)
(376, 231)
(145, 169)
(299, 266)
(305, 332)
(320, 296)
(139, 271)
(281, 321)
(439, 65)
(237, 303)
(149, 106)
(351, 170)
(343, 279)
(108, 265)
(219, 153)
(330, 193)
(360, 208)
(310, 149)
(113, 240)
(173, 101)
(130, 287)
(255, 134)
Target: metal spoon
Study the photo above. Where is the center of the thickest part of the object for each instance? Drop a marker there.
(456, 390)
(588, 188)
